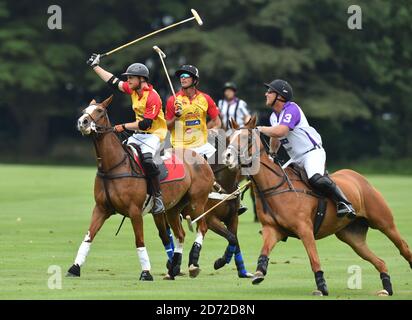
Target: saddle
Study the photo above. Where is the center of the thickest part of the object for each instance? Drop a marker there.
(171, 168)
(301, 175)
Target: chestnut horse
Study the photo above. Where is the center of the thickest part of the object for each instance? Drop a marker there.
(120, 187)
(286, 210)
(223, 220)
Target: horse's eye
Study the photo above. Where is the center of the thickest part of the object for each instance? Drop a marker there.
(99, 110)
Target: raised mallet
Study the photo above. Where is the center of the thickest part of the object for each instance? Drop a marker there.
(189, 220)
(194, 17)
(162, 56)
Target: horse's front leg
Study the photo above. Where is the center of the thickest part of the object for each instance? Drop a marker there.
(135, 214)
(305, 233)
(174, 265)
(270, 236)
(99, 216)
(194, 253)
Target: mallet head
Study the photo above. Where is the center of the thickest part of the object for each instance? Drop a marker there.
(197, 17)
(159, 51)
(189, 223)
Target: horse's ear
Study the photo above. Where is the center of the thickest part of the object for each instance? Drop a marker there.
(252, 122)
(234, 123)
(106, 102)
(92, 102)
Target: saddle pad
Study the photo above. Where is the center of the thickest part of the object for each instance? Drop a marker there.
(172, 168)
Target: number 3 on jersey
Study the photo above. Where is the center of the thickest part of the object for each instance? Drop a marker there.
(287, 118)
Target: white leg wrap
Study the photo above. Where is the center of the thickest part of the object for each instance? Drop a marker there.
(144, 258)
(82, 253)
(199, 238)
(179, 246)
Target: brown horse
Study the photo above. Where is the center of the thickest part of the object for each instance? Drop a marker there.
(223, 220)
(286, 210)
(120, 187)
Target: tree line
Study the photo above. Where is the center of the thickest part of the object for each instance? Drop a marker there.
(354, 85)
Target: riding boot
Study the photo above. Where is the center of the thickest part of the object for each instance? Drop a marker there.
(326, 186)
(343, 206)
(158, 206)
(152, 173)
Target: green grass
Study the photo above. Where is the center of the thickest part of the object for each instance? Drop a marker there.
(45, 212)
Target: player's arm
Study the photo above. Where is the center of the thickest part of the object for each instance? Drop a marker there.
(173, 112)
(213, 113)
(278, 131)
(289, 121)
(215, 123)
(106, 76)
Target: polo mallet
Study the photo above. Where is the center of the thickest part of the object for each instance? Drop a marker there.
(189, 220)
(163, 56)
(194, 17)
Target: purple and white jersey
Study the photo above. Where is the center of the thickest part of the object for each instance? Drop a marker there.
(301, 137)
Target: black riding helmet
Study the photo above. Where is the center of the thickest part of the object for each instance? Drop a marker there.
(230, 85)
(191, 70)
(282, 88)
(137, 69)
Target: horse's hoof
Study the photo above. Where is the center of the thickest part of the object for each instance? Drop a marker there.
(175, 271)
(317, 293)
(168, 277)
(146, 276)
(219, 263)
(246, 275)
(74, 271)
(174, 265)
(324, 290)
(386, 283)
(382, 293)
(258, 277)
(193, 271)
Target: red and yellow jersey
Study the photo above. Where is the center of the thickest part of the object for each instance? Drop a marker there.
(190, 130)
(149, 106)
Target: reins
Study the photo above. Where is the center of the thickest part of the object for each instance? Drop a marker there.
(272, 191)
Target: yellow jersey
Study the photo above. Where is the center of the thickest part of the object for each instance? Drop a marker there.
(190, 130)
(149, 106)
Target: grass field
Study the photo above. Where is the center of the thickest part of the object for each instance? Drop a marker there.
(45, 212)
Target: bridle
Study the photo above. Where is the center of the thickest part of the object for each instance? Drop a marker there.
(96, 128)
(284, 176)
(242, 156)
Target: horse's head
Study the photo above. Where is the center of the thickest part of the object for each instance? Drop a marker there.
(94, 117)
(243, 146)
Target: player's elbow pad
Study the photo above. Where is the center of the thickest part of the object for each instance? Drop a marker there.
(113, 82)
(145, 124)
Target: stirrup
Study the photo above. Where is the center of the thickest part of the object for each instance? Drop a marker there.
(343, 209)
(158, 206)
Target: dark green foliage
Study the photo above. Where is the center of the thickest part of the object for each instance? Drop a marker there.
(353, 84)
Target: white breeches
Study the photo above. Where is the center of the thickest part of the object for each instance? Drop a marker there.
(313, 162)
(148, 143)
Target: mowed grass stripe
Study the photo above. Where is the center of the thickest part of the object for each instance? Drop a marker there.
(45, 212)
